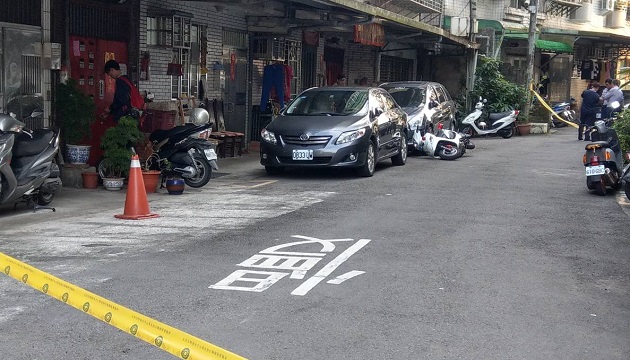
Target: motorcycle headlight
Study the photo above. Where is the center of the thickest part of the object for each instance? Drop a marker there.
(350, 136)
(268, 136)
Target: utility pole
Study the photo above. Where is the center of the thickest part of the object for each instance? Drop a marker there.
(472, 53)
(531, 42)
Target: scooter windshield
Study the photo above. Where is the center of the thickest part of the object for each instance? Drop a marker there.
(9, 123)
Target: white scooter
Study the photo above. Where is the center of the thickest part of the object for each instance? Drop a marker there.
(445, 144)
(500, 123)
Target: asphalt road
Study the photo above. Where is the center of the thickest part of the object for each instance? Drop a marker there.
(501, 254)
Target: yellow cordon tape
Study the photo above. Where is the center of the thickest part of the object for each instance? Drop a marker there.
(544, 103)
(165, 337)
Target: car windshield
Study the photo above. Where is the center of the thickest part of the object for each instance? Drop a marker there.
(408, 96)
(330, 102)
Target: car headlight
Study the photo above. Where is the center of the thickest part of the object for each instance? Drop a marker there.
(268, 136)
(350, 136)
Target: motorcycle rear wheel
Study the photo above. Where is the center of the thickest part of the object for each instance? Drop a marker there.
(45, 198)
(468, 130)
(204, 172)
(507, 132)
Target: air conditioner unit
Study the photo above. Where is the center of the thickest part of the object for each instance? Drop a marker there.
(608, 6)
(459, 26)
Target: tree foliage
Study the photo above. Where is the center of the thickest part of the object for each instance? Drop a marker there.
(490, 84)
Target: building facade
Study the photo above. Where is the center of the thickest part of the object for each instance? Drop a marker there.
(185, 52)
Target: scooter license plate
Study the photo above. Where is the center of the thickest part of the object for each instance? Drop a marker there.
(302, 154)
(595, 170)
(210, 154)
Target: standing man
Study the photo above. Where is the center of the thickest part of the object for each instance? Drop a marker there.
(121, 104)
(590, 106)
(613, 94)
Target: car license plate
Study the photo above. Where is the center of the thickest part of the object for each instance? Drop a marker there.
(595, 170)
(210, 154)
(302, 154)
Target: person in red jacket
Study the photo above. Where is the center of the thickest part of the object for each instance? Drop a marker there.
(121, 104)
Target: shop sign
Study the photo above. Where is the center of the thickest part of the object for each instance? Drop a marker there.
(369, 34)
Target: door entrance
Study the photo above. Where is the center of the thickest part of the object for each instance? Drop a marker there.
(234, 89)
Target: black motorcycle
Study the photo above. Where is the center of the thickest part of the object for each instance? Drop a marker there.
(28, 171)
(602, 159)
(185, 150)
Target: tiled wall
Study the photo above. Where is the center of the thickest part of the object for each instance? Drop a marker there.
(204, 14)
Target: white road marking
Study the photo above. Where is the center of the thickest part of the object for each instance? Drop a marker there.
(341, 278)
(329, 268)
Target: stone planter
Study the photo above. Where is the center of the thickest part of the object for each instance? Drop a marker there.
(539, 128)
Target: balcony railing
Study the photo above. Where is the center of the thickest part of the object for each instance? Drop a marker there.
(414, 6)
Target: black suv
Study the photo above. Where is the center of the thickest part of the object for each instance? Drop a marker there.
(426, 104)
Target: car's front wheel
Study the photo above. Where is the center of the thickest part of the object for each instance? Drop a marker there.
(401, 158)
(368, 168)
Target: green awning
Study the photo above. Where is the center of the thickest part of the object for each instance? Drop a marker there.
(544, 45)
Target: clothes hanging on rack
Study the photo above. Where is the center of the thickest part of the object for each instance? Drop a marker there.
(589, 70)
(273, 78)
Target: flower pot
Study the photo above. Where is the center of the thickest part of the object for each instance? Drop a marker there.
(175, 186)
(151, 179)
(90, 180)
(524, 129)
(113, 184)
(78, 154)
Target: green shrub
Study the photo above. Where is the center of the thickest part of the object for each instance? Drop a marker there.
(116, 144)
(76, 111)
(622, 126)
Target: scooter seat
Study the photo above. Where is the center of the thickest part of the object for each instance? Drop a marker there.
(597, 145)
(27, 146)
(497, 116)
(159, 135)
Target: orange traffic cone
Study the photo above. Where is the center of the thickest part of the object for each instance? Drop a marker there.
(136, 203)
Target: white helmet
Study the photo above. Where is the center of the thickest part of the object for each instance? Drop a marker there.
(199, 116)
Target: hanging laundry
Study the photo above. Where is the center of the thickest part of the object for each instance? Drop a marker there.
(273, 79)
(589, 70)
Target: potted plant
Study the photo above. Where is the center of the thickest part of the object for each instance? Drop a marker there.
(76, 111)
(117, 143)
(150, 175)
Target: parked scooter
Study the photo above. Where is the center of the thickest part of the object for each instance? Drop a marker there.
(602, 159)
(28, 172)
(500, 123)
(445, 144)
(185, 150)
(565, 111)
